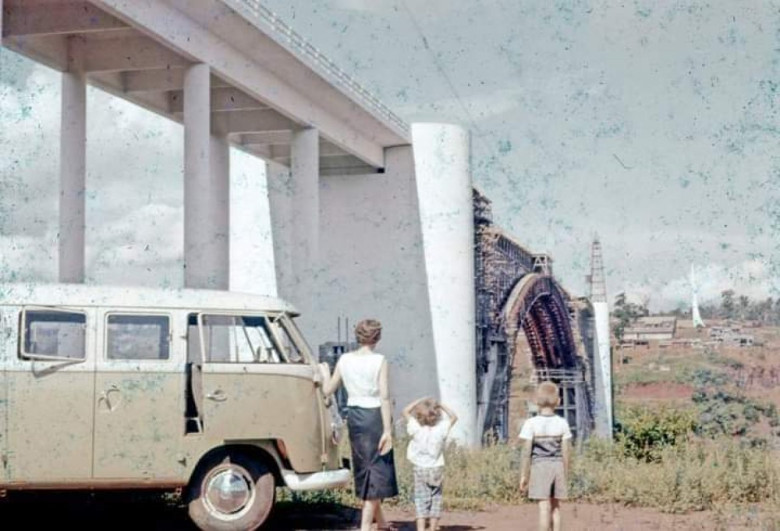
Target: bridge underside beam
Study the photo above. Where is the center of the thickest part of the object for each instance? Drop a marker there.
(132, 51)
(30, 19)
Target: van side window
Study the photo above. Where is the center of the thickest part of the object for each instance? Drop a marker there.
(137, 337)
(59, 334)
(239, 339)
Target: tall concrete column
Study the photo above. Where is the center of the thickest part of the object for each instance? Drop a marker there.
(305, 211)
(280, 195)
(305, 171)
(206, 185)
(220, 189)
(444, 188)
(73, 165)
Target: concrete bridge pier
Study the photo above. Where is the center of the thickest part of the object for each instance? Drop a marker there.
(73, 164)
(206, 188)
(396, 245)
(304, 221)
(444, 190)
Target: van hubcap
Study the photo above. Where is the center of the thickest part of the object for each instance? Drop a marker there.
(229, 491)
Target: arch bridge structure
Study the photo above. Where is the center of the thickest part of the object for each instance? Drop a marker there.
(525, 318)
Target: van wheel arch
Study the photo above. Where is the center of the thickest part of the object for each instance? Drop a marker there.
(255, 472)
(250, 450)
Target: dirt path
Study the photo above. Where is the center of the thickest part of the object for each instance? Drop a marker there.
(62, 513)
(580, 517)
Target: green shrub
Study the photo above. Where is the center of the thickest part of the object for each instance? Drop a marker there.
(643, 432)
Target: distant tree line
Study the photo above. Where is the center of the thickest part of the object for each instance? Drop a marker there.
(731, 306)
(738, 307)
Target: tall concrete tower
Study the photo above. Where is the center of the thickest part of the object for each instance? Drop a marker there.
(698, 322)
(603, 363)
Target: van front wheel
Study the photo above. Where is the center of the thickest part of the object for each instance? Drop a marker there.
(232, 492)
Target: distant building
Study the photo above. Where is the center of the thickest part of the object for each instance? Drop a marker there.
(657, 328)
(731, 335)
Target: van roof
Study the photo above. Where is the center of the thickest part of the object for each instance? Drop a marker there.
(83, 295)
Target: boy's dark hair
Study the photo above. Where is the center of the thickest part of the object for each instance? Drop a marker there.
(547, 395)
(427, 412)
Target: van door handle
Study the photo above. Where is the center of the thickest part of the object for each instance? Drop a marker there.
(217, 396)
(106, 397)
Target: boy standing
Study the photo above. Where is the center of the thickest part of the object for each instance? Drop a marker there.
(546, 454)
(428, 431)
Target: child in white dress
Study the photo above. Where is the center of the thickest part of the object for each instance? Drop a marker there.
(428, 430)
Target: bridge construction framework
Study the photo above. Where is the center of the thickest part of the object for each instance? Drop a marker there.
(519, 304)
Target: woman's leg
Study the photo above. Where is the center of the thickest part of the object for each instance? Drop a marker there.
(367, 515)
(434, 524)
(420, 524)
(379, 515)
(555, 510)
(544, 515)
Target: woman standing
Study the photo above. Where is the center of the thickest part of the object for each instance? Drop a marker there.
(364, 373)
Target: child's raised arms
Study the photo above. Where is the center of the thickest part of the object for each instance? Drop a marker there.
(407, 411)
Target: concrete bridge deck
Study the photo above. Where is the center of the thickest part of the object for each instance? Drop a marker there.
(266, 81)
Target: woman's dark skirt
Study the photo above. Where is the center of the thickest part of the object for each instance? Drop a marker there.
(374, 474)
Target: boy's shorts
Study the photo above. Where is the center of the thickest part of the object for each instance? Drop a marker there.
(547, 480)
(428, 491)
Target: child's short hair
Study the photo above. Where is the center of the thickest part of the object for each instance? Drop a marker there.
(547, 395)
(427, 412)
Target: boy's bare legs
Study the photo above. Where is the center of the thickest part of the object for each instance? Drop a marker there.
(544, 515)
(434, 524)
(421, 524)
(367, 515)
(555, 514)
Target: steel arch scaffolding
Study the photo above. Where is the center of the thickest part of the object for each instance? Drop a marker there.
(519, 302)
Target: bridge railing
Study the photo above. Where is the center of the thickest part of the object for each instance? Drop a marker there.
(257, 13)
(568, 376)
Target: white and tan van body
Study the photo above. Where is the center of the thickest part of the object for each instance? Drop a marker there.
(124, 387)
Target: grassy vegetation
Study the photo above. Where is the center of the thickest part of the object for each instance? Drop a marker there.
(715, 450)
(696, 474)
(664, 467)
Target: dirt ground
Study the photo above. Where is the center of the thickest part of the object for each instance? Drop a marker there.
(665, 391)
(121, 512)
(587, 517)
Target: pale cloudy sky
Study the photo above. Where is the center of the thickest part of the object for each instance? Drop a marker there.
(135, 187)
(652, 123)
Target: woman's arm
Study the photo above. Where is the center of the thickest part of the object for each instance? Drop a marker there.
(386, 442)
(331, 382)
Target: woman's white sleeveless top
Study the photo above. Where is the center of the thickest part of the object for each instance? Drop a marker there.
(360, 373)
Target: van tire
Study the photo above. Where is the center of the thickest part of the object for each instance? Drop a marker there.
(256, 492)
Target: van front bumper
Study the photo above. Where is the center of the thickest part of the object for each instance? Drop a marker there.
(327, 479)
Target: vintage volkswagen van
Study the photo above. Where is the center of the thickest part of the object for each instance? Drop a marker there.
(211, 392)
